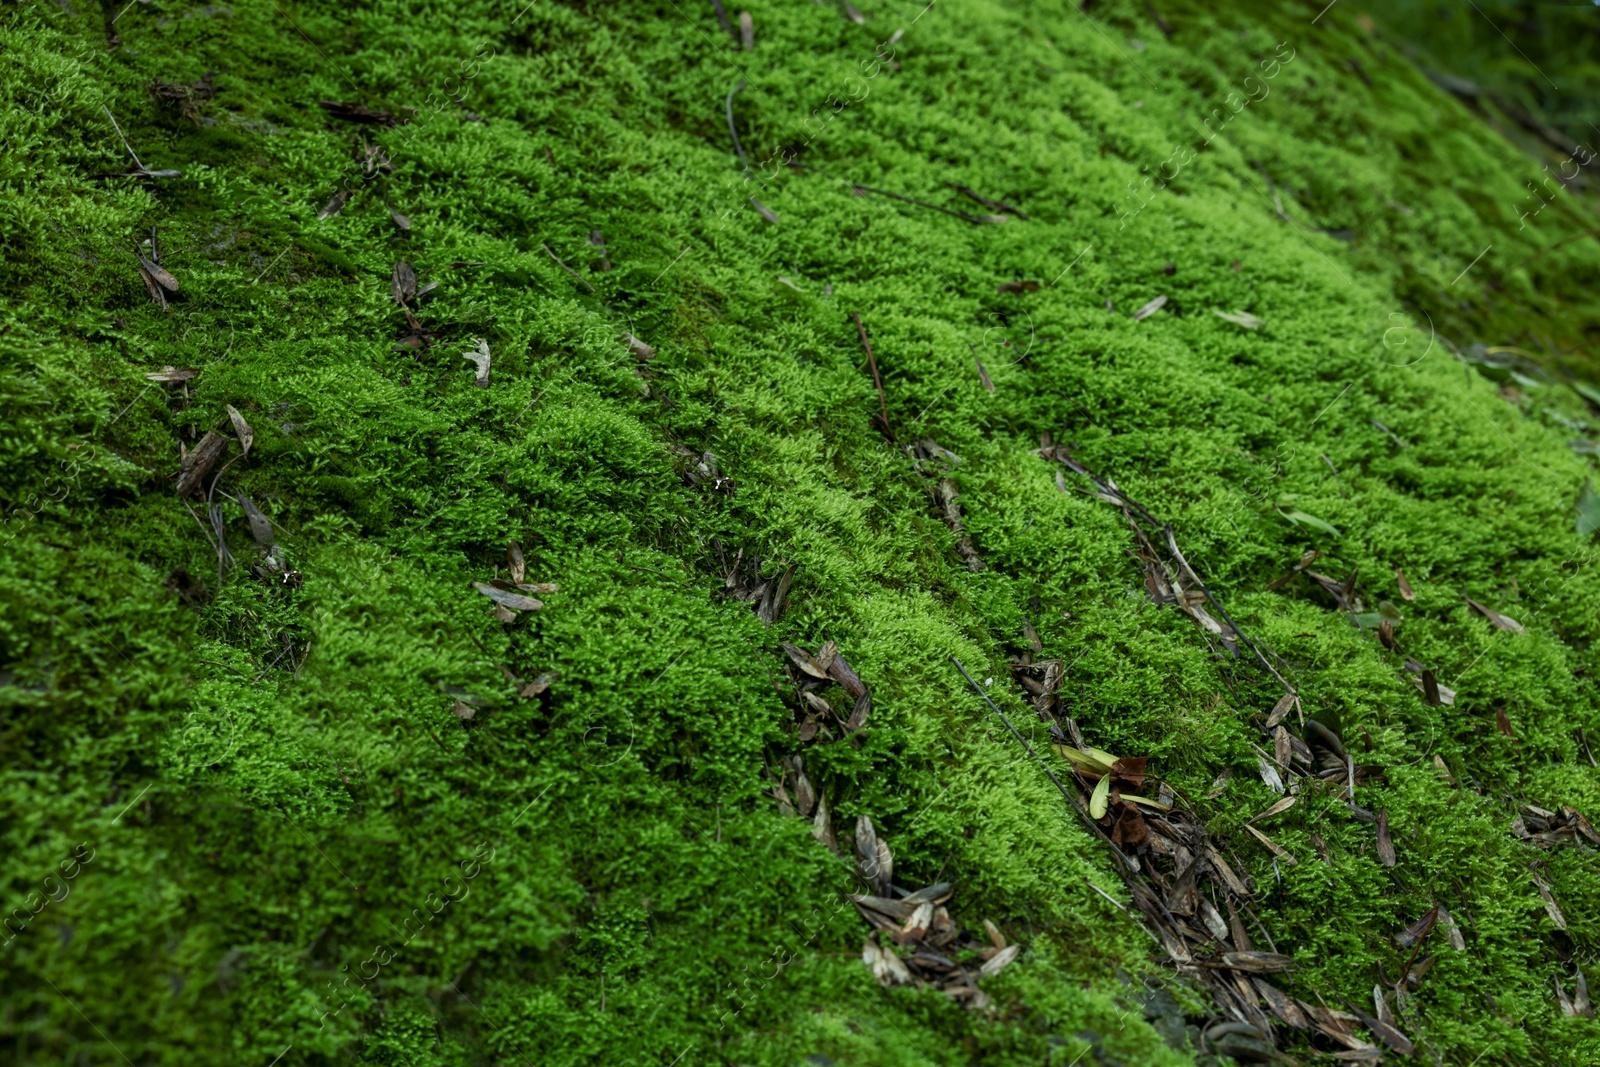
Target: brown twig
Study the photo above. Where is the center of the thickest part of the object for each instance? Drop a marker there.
(1558, 244)
(566, 268)
(883, 406)
(974, 219)
(722, 20)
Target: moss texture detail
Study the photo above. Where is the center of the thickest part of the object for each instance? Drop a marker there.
(321, 822)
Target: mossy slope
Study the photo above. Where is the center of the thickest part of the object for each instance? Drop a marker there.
(273, 777)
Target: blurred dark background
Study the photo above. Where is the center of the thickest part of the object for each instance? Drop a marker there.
(1543, 58)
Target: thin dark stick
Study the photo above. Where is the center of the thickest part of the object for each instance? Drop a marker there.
(883, 407)
(566, 268)
(920, 203)
(737, 147)
(1558, 244)
(722, 20)
(1071, 801)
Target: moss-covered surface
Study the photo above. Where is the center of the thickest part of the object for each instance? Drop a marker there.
(270, 778)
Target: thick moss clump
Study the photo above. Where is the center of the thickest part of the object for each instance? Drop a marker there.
(334, 810)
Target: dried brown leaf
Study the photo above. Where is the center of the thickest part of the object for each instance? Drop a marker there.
(1273, 846)
(1280, 806)
(803, 659)
(858, 714)
(1500, 622)
(1282, 748)
(1418, 930)
(1150, 309)
(361, 113)
(260, 525)
(403, 283)
(537, 686)
(822, 824)
(983, 374)
(159, 274)
(1000, 961)
(1280, 710)
(1257, 962)
(242, 428)
(1386, 854)
(1550, 906)
(335, 204)
(1405, 587)
(510, 601)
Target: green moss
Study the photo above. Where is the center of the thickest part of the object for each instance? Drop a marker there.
(277, 775)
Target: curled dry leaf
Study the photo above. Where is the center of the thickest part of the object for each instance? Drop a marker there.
(886, 967)
(335, 204)
(1501, 622)
(1391, 1037)
(858, 714)
(747, 31)
(157, 297)
(983, 374)
(1385, 841)
(158, 274)
(1272, 846)
(1000, 961)
(1452, 930)
(1280, 710)
(1283, 805)
(1282, 748)
(537, 686)
(840, 671)
(1239, 318)
(803, 659)
(996, 938)
(1550, 906)
(242, 428)
(1257, 962)
(1418, 930)
(873, 859)
(403, 283)
(1269, 774)
(918, 925)
(260, 525)
(640, 349)
(516, 566)
(822, 824)
(510, 601)
(1406, 592)
(1150, 309)
(805, 797)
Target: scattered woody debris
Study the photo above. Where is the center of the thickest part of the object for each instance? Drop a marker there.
(361, 113)
(915, 941)
(810, 676)
(1548, 829)
(185, 97)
